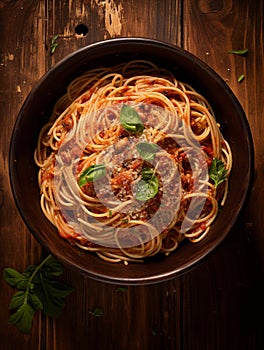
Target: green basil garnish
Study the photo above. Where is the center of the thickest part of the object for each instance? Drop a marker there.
(92, 173)
(148, 186)
(240, 78)
(130, 120)
(147, 174)
(238, 52)
(217, 172)
(147, 150)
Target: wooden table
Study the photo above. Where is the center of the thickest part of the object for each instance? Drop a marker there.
(219, 304)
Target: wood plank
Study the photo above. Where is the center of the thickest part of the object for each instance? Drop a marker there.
(20, 68)
(236, 269)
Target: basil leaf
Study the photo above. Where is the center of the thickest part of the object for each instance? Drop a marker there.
(22, 318)
(52, 268)
(147, 189)
(122, 289)
(97, 312)
(17, 300)
(54, 44)
(39, 292)
(239, 52)
(240, 78)
(147, 173)
(36, 302)
(148, 186)
(14, 278)
(29, 270)
(147, 150)
(54, 38)
(217, 172)
(52, 294)
(130, 120)
(92, 173)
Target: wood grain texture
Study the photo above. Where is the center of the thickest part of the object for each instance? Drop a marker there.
(221, 26)
(219, 304)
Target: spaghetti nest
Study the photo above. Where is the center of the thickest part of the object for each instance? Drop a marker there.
(131, 163)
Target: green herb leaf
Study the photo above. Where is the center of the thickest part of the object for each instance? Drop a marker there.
(53, 48)
(37, 291)
(154, 332)
(240, 78)
(52, 268)
(239, 52)
(52, 295)
(29, 270)
(14, 278)
(22, 318)
(147, 150)
(97, 312)
(122, 289)
(54, 38)
(147, 173)
(148, 186)
(54, 44)
(217, 172)
(130, 120)
(92, 173)
(36, 302)
(17, 300)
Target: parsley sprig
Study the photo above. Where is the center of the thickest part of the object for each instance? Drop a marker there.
(37, 290)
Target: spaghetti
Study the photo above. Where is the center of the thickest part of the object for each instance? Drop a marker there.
(128, 163)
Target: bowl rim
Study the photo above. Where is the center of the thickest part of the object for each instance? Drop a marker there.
(242, 117)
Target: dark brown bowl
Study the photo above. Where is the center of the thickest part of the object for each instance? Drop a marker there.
(36, 110)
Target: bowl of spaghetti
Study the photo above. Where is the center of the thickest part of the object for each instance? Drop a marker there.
(130, 160)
